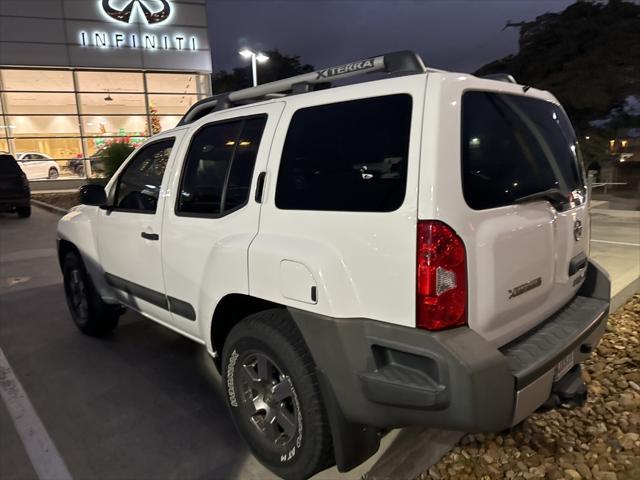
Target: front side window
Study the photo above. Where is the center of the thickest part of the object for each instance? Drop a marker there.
(347, 156)
(219, 167)
(513, 147)
(138, 187)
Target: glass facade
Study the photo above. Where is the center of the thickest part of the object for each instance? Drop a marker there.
(68, 116)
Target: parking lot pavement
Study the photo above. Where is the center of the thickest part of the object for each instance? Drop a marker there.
(143, 404)
(148, 403)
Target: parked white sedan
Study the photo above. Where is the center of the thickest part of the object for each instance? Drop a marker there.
(38, 165)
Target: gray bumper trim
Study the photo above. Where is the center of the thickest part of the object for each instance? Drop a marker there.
(542, 348)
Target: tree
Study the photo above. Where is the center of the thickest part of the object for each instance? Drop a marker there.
(586, 55)
(278, 67)
(114, 154)
(155, 121)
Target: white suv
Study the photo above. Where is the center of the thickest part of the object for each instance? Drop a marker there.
(407, 250)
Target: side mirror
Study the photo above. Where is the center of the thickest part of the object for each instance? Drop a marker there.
(93, 195)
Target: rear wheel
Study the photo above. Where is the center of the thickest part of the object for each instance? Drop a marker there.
(24, 212)
(90, 314)
(274, 397)
(53, 173)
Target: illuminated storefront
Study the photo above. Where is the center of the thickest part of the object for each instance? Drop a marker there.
(95, 72)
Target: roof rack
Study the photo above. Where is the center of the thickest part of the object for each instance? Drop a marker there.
(501, 77)
(397, 63)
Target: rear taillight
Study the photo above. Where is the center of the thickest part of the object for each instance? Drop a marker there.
(25, 182)
(441, 295)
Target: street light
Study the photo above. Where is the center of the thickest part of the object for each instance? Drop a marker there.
(256, 57)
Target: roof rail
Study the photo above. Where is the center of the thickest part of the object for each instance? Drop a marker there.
(501, 77)
(403, 62)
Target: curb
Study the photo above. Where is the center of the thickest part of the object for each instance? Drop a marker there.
(620, 298)
(51, 208)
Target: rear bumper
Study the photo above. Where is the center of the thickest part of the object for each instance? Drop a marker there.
(9, 203)
(383, 376)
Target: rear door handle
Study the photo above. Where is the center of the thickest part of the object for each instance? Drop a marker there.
(260, 186)
(150, 236)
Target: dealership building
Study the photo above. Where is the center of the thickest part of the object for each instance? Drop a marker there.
(77, 75)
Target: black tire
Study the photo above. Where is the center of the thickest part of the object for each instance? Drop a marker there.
(53, 173)
(90, 314)
(290, 392)
(24, 212)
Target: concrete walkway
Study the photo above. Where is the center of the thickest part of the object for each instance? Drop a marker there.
(615, 244)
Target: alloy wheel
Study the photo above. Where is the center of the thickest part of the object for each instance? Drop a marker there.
(78, 293)
(269, 399)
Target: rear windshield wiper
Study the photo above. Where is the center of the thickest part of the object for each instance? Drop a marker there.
(553, 195)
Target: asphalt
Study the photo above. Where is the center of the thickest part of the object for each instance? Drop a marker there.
(147, 403)
(143, 404)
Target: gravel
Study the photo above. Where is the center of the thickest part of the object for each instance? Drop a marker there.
(598, 441)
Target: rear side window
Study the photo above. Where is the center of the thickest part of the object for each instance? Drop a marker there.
(219, 167)
(347, 156)
(514, 146)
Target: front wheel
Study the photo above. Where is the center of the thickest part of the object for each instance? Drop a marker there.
(90, 314)
(273, 395)
(53, 173)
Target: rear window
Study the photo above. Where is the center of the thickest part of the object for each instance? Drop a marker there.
(347, 156)
(514, 146)
(8, 165)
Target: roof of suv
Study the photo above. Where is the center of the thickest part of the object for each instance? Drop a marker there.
(393, 64)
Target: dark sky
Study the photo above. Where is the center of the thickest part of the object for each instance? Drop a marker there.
(459, 35)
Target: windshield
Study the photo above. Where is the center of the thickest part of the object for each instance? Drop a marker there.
(513, 147)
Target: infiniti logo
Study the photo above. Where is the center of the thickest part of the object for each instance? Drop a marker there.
(124, 15)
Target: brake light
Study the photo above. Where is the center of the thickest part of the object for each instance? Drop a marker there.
(441, 288)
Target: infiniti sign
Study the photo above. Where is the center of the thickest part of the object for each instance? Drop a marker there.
(124, 15)
(153, 12)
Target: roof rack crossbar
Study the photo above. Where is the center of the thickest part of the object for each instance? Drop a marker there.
(406, 62)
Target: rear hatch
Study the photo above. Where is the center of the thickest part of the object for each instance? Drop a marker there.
(11, 178)
(523, 181)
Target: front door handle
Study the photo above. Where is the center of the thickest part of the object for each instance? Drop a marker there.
(150, 236)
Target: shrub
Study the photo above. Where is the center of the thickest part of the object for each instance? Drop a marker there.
(114, 154)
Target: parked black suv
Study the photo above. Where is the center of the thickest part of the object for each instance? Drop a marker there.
(15, 195)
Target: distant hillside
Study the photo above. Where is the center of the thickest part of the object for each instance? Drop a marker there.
(588, 56)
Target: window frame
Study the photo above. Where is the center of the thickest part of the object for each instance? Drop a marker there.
(116, 190)
(412, 120)
(579, 165)
(183, 168)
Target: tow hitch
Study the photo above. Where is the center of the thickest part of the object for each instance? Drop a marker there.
(570, 389)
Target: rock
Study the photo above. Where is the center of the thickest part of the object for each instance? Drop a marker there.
(628, 400)
(572, 474)
(628, 440)
(584, 470)
(434, 473)
(605, 476)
